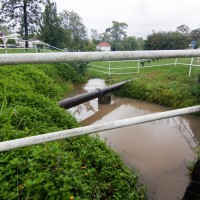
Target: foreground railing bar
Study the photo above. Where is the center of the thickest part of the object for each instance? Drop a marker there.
(93, 56)
(39, 139)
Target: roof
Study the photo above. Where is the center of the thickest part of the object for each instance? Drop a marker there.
(103, 44)
(13, 36)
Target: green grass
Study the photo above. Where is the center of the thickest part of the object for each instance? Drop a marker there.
(81, 168)
(9, 51)
(123, 66)
(166, 85)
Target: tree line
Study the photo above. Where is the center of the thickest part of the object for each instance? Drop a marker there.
(40, 19)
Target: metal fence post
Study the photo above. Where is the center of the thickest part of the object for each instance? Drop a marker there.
(175, 62)
(138, 67)
(191, 66)
(109, 69)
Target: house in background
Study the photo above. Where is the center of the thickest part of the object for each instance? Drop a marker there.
(14, 36)
(19, 42)
(103, 46)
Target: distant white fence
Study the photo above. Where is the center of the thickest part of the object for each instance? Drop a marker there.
(108, 69)
(42, 47)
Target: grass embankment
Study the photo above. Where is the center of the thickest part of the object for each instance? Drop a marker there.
(78, 168)
(165, 85)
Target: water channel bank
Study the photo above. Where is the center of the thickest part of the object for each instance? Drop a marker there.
(160, 150)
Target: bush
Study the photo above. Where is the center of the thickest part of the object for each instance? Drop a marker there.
(78, 168)
(170, 87)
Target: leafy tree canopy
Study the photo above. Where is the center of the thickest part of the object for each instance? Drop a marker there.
(51, 31)
(184, 29)
(166, 41)
(117, 32)
(72, 22)
(25, 13)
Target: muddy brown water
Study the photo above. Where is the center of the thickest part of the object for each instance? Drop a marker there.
(159, 150)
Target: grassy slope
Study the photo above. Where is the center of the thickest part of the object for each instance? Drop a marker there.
(78, 168)
(166, 85)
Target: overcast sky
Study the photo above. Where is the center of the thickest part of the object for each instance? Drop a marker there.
(142, 16)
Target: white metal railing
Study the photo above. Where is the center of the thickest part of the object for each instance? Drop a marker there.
(93, 56)
(39, 139)
(61, 57)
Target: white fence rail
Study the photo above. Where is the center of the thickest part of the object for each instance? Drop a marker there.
(93, 56)
(39, 139)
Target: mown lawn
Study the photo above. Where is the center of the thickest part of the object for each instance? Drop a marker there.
(167, 85)
(21, 50)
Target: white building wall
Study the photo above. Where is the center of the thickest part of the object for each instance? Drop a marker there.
(103, 48)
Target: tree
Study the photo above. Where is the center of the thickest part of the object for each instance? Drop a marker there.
(140, 43)
(95, 36)
(184, 29)
(117, 32)
(4, 29)
(195, 34)
(72, 22)
(25, 13)
(105, 37)
(131, 43)
(51, 31)
(166, 41)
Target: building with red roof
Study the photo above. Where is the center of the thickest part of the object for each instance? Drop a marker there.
(103, 46)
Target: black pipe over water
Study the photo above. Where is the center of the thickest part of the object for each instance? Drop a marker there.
(98, 93)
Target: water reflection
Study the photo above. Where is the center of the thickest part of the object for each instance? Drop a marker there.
(159, 149)
(87, 109)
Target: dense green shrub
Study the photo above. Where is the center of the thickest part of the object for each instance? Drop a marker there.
(80, 67)
(77, 168)
(59, 170)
